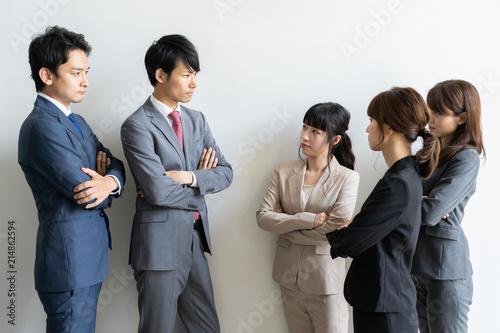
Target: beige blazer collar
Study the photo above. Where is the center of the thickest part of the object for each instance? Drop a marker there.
(320, 192)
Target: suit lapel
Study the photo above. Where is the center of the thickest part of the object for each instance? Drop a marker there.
(323, 186)
(295, 182)
(160, 122)
(67, 123)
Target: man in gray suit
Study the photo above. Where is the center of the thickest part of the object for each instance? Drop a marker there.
(175, 161)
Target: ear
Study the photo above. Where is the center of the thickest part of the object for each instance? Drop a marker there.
(46, 76)
(462, 119)
(160, 75)
(389, 130)
(336, 139)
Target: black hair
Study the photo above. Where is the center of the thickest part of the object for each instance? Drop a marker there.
(334, 119)
(50, 50)
(166, 52)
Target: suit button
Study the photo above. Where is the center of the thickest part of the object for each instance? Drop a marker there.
(101, 214)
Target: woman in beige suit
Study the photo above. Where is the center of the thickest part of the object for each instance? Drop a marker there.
(306, 200)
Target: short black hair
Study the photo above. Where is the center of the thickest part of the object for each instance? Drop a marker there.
(51, 49)
(166, 52)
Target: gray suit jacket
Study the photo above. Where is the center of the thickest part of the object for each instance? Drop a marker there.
(442, 249)
(163, 222)
(303, 253)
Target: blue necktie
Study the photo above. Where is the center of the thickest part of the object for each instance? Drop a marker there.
(73, 120)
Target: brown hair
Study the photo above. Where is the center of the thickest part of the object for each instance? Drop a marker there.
(405, 111)
(459, 97)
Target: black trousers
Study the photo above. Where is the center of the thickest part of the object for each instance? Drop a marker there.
(385, 322)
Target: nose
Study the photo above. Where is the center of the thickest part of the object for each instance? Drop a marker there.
(431, 118)
(85, 81)
(367, 127)
(305, 135)
(193, 82)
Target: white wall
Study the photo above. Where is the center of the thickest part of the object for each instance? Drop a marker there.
(263, 64)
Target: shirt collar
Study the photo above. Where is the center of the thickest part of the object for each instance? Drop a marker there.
(163, 108)
(59, 105)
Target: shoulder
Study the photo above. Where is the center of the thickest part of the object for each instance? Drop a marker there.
(348, 173)
(190, 112)
(289, 165)
(138, 115)
(466, 156)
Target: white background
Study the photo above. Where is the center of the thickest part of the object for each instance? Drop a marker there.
(264, 63)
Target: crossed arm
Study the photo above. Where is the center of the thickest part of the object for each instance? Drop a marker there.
(99, 187)
(207, 161)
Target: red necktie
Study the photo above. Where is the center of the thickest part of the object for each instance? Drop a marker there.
(177, 127)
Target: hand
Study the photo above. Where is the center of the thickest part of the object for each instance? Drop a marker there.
(207, 159)
(97, 188)
(347, 222)
(102, 163)
(181, 177)
(320, 219)
(278, 208)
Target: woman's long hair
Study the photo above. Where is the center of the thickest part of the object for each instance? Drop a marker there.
(334, 119)
(459, 97)
(405, 111)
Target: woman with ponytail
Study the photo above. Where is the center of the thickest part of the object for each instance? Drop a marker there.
(382, 237)
(305, 200)
(442, 270)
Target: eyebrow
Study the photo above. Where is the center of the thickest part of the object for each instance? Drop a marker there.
(80, 68)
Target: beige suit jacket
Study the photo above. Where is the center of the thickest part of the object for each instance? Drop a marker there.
(303, 253)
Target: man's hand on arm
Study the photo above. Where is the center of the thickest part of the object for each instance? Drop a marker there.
(207, 161)
(102, 163)
(97, 188)
(181, 177)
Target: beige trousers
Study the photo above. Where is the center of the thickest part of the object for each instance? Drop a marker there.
(314, 313)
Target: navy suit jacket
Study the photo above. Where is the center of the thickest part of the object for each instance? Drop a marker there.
(72, 242)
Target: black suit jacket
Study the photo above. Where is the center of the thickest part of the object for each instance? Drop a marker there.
(381, 240)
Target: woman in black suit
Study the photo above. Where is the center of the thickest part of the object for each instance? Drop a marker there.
(381, 239)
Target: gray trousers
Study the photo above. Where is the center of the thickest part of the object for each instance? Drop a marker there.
(443, 305)
(186, 290)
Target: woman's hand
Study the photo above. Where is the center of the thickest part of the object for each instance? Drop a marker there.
(278, 209)
(319, 220)
(347, 222)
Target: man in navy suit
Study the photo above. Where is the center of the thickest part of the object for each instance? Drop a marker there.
(72, 177)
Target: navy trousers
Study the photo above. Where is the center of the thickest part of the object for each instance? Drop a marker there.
(71, 311)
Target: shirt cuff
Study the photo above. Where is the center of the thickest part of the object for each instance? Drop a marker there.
(195, 182)
(117, 192)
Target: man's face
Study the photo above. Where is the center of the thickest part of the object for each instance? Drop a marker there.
(179, 86)
(70, 85)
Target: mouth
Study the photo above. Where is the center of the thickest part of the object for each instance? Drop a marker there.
(431, 128)
(303, 145)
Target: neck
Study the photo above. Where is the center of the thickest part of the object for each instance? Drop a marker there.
(445, 141)
(164, 99)
(317, 164)
(393, 153)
